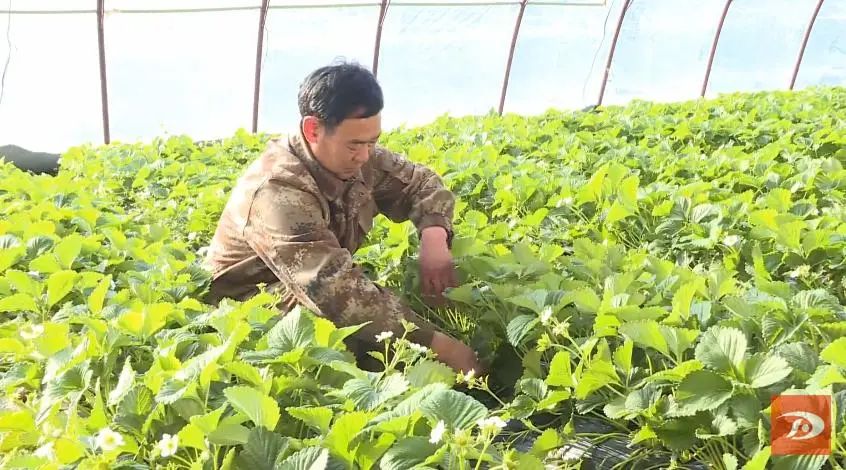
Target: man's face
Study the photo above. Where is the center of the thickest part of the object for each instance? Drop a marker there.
(348, 147)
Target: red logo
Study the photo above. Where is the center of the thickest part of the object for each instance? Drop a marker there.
(801, 425)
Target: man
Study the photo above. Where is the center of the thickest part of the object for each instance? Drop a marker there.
(301, 210)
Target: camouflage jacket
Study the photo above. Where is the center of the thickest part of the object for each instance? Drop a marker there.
(292, 225)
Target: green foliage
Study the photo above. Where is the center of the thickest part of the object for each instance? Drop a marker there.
(661, 268)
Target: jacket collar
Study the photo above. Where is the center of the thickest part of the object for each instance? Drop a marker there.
(330, 185)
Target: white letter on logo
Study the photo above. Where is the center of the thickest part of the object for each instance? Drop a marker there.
(809, 424)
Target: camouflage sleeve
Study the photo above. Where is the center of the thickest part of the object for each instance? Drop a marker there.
(287, 229)
(405, 190)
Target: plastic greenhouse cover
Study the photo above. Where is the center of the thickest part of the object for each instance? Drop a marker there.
(193, 73)
(825, 58)
(560, 56)
(759, 45)
(662, 52)
(51, 96)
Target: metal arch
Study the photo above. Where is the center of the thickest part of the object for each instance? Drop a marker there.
(714, 48)
(613, 48)
(383, 11)
(259, 50)
(511, 54)
(805, 43)
(104, 90)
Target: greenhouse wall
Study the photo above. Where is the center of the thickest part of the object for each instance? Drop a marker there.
(189, 67)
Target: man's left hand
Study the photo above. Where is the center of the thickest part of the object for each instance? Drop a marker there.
(436, 266)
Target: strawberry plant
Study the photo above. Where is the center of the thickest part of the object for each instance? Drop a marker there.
(658, 270)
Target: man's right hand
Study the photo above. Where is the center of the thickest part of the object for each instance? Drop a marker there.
(456, 354)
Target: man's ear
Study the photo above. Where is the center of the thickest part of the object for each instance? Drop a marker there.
(311, 128)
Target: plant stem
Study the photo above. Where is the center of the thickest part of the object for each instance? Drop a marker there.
(484, 449)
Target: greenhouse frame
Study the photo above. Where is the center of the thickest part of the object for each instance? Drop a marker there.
(529, 56)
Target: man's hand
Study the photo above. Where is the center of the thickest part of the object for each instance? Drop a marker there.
(456, 354)
(437, 271)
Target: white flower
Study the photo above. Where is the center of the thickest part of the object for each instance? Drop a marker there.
(419, 348)
(491, 425)
(545, 315)
(469, 376)
(168, 445)
(108, 440)
(437, 432)
(45, 452)
(731, 240)
(192, 236)
(205, 455)
(32, 331)
(801, 271)
(559, 329)
(384, 335)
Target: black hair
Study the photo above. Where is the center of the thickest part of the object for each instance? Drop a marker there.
(340, 91)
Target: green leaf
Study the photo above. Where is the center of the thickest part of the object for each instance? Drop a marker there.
(428, 371)
(643, 434)
(229, 434)
(258, 407)
(623, 356)
(46, 264)
(295, 330)
(125, 383)
(310, 458)
(98, 296)
(10, 257)
(586, 300)
(759, 460)
(834, 353)
(642, 399)
(560, 372)
(318, 417)
(702, 391)
(370, 451)
(720, 427)
(679, 434)
(59, 284)
(340, 334)
(24, 283)
(547, 441)
(367, 397)
(407, 453)
(764, 370)
(18, 303)
(245, 372)
(618, 212)
(519, 329)
(722, 349)
(191, 436)
(262, 450)
(746, 410)
(68, 249)
(56, 337)
(144, 322)
(678, 340)
(798, 462)
(207, 423)
(646, 333)
(800, 356)
(455, 409)
(730, 462)
(343, 431)
(599, 373)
